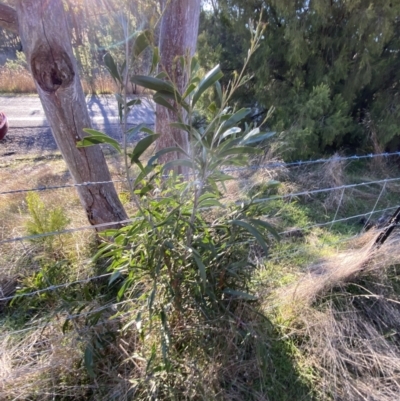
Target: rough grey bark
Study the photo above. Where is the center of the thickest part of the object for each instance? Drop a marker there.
(178, 37)
(47, 46)
(8, 18)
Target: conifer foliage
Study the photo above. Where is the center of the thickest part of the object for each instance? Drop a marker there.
(331, 69)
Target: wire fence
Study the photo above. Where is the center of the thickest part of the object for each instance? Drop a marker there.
(266, 166)
(255, 201)
(276, 255)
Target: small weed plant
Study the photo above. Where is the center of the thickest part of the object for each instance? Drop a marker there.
(44, 219)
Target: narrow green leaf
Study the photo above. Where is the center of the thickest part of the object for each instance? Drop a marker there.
(189, 90)
(155, 60)
(133, 102)
(153, 83)
(211, 203)
(135, 130)
(124, 287)
(231, 131)
(252, 230)
(207, 195)
(138, 320)
(143, 40)
(201, 267)
(161, 75)
(119, 98)
(195, 80)
(196, 135)
(142, 146)
(162, 101)
(211, 77)
(115, 276)
(146, 189)
(235, 119)
(228, 144)
(89, 141)
(183, 127)
(65, 326)
(120, 112)
(164, 351)
(88, 361)
(165, 151)
(145, 171)
(194, 66)
(240, 295)
(254, 131)
(102, 251)
(112, 67)
(267, 226)
(255, 136)
(149, 131)
(152, 296)
(175, 97)
(179, 162)
(219, 91)
(97, 137)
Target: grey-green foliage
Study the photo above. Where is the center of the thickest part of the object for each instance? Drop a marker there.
(342, 54)
(184, 259)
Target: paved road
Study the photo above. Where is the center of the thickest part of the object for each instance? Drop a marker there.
(29, 130)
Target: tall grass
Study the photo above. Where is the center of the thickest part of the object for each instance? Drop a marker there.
(16, 81)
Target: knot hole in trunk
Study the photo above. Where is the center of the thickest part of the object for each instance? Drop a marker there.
(51, 67)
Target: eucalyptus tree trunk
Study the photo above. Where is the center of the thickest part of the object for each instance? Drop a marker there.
(47, 46)
(178, 37)
(8, 18)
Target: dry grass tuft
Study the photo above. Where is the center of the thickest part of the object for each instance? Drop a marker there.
(101, 84)
(333, 176)
(33, 364)
(328, 175)
(250, 182)
(345, 313)
(16, 81)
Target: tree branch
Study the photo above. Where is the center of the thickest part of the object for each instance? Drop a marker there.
(8, 18)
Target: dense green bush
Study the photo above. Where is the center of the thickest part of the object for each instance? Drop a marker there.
(330, 70)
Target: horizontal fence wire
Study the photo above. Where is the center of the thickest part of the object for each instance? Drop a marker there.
(72, 317)
(270, 165)
(298, 250)
(120, 317)
(54, 187)
(274, 165)
(274, 257)
(357, 216)
(318, 191)
(255, 201)
(55, 287)
(67, 231)
(87, 280)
